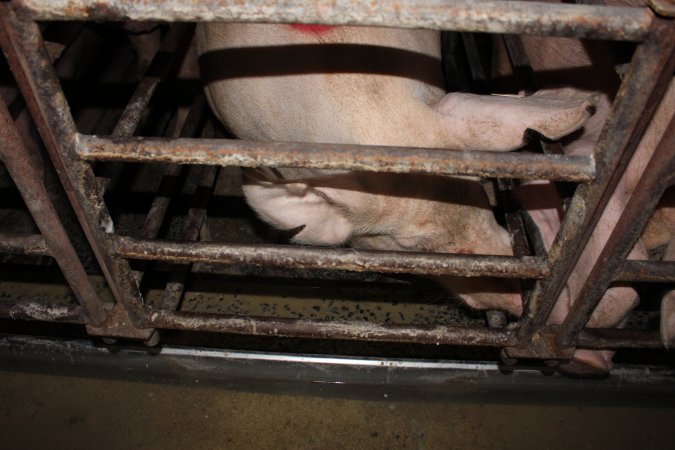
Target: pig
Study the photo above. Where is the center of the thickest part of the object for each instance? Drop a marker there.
(585, 65)
(374, 86)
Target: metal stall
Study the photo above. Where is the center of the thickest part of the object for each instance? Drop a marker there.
(76, 154)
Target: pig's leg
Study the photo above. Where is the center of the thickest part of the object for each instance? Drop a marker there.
(500, 123)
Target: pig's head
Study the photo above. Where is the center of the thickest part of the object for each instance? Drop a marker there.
(395, 212)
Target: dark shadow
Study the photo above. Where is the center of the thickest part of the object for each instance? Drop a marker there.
(286, 60)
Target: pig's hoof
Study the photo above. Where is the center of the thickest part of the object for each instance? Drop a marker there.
(587, 364)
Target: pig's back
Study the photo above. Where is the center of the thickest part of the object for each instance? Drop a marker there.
(369, 86)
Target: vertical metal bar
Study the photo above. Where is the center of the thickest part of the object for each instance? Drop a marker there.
(658, 175)
(163, 61)
(22, 43)
(195, 220)
(646, 80)
(27, 174)
(168, 185)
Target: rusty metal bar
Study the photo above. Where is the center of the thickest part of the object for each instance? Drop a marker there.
(27, 173)
(315, 329)
(645, 82)
(23, 244)
(656, 177)
(229, 152)
(161, 64)
(22, 44)
(618, 338)
(649, 271)
(584, 21)
(168, 186)
(196, 219)
(30, 310)
(330, 258)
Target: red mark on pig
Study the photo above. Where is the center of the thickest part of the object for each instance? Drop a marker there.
(312, 29)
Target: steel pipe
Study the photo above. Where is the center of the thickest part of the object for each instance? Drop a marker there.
(649, 74)
(230, 152)
(649, 271)
(654, 181)
(331, 258)
(23, 244)
(315, 329)
(584, 21)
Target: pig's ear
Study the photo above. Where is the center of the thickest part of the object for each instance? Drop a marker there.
(298, 206)
(500, 123)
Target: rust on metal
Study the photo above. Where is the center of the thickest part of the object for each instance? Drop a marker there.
(23, 244)
(653, 182)
(24, 169)
(71, 152)
(119, 324)
(196, 219)
(161, 64)
(349, 330)
(23, 46)
(646, 271)
(230, 152)
(331, 258)
(584, 21)
(609, 338)
(31, 310)
(646, 81)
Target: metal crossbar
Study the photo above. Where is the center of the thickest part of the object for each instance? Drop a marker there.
(72, 153)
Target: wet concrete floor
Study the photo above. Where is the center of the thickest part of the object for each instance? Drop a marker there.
(62, 412)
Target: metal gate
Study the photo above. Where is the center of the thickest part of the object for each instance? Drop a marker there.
(73, 154)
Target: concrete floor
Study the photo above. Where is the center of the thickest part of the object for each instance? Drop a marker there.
(60, 412)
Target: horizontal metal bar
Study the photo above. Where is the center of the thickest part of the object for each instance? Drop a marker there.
(230, 152)
(618, 338)
(315, 329)
(23, 244)
(649, 271)
(331, 258)
(31, 310)
(587, 21)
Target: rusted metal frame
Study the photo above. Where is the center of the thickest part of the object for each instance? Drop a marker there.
(649, 271)
(196, 219)
(330, 258)
(230, 152)
(22, 43)
(609, 338)
(657, 176)
(646, 80)
(28, 175)
(582, 21)
(33, 310)
(163, 61)
(23, 244)
(169, 184)
(318, 329)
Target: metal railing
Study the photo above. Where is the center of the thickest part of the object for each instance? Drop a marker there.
(72, 153)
